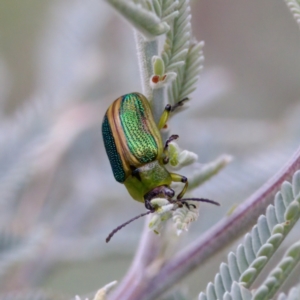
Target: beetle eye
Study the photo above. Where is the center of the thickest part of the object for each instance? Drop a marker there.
(169, 192)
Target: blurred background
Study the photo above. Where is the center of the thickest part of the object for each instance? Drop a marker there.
(62, 63)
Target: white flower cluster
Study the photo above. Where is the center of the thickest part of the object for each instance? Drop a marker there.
(182, 216)
(102, 293)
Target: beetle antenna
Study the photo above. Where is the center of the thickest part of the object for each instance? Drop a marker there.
(126, 223)
(200, 200)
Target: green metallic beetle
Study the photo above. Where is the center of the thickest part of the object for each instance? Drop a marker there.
(137, 154)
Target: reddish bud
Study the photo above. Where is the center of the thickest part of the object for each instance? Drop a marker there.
(155, 79)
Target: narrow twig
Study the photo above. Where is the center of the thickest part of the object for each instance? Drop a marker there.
(145, 51)
(150, 245)
(149, 248)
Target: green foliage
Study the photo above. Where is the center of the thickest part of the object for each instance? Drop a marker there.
(149, 17)
(146, 21)
(178, 38)
(279, 275)
(258, 247)
(182, 54)
(208, 170)
(294, 294)
(238, 292)
(294, 6)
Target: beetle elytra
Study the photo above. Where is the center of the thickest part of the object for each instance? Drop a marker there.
(137, 153)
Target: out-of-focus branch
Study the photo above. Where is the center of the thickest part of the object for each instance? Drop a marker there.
(220, 236)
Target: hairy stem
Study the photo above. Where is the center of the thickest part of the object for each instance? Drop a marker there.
(150, 246)
(146, 50)
(147, 251)
(158, 103)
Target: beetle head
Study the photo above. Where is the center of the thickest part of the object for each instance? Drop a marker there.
(162, 191)
(159, 192)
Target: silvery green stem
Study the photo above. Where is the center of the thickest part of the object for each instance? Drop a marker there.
(158, 106)
(149, 246)
(145, 51)
(158, 103)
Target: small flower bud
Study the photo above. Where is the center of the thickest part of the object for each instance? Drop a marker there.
(180, 158)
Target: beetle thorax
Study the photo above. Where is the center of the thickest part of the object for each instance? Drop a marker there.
(147, 178)
(154, 175)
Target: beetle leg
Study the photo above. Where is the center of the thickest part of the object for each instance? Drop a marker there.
(148, 205)
(164, 117)
(188, 205)
(180, 178)
(166, 113)
(169, 140)
(179, 103)
(165, 152)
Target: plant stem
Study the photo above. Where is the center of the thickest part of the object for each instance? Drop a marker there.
(158, 103)
(146, 50)
(146, 253)
(150, 246)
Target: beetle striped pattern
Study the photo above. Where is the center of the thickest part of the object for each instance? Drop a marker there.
(112, 152)
(131, 137)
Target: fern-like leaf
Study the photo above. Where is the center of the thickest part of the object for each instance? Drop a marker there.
(252, 255)
(182, 56)
(238, 292)
(279, 274)
(192, 68)
(294, 294)
(178, 38)
(208, 170)
(145, 20)
(187, 73)
(294, 6)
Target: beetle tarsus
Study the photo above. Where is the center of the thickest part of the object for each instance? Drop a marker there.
(188, 205)
(168, 107)
(181, 202)
(170, 139)
(200, 200)
(184, 179)
(179, 104)
(166, 160)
